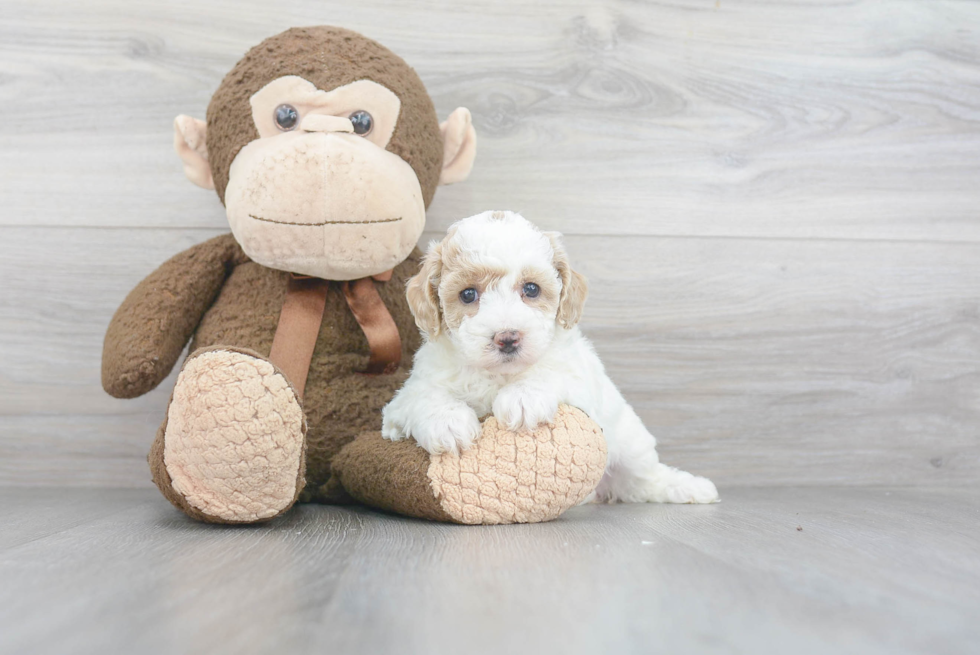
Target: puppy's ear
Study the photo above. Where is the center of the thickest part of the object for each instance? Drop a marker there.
(574, 286)
(423, 292)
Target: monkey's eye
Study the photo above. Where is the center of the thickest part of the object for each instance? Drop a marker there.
(468, 296)
(362, 122)
(531, 290)
(286, 117)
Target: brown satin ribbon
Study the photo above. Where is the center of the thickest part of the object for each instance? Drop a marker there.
(376, 322)
(299, 325)
(302, 314)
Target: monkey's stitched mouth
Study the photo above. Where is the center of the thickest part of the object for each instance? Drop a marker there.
(269, 220)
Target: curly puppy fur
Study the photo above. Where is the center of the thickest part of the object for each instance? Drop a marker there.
(498, 303)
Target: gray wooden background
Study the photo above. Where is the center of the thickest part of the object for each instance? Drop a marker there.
(777, 205)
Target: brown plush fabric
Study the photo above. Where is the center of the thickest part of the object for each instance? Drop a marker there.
(340, 402)
(152, 325)
(328, 57)
(216, 296)
(505, 477)
(150, 329)
(389, 475)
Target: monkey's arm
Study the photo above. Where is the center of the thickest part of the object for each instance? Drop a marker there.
(149, 330)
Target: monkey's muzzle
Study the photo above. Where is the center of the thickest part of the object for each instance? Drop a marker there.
(330, 205)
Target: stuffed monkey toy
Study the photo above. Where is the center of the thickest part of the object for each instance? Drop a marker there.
(325, 149)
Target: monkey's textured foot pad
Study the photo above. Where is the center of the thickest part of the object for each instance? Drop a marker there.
(235, 438)
(506, 477)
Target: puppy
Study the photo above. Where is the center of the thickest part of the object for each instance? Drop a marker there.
(498, 305)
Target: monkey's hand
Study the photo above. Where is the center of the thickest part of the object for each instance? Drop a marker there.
(155, 321)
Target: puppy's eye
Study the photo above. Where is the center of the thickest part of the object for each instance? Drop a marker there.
(531, 290)
(286, 117)
(467, 296)
(362, 122)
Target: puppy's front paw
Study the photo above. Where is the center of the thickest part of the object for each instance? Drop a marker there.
(518, 408)
(393, 422)
(448, 430)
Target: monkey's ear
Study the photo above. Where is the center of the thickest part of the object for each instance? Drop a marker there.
(423, 292)
(191, 145)
(458, 146)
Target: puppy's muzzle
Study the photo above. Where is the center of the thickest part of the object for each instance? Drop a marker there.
(507, 341)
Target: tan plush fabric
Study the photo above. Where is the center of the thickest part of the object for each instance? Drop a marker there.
(328, 206)
(506, 477)
(340, 402)
(459, 146)
(235, 437)
(521, 477)
(328, 57)
(234, 304)
(219, 298)
(390, 476)
(326, 110)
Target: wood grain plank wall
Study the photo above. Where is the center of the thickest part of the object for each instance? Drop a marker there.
(776, 204)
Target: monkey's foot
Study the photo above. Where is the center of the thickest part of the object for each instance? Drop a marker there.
(505, 477)
(234, 442)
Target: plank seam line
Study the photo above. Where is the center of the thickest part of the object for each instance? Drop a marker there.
(603, 235)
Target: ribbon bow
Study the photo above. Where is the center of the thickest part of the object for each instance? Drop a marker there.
(302, 314)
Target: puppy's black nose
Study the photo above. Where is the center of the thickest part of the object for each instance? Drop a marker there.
(507, 341)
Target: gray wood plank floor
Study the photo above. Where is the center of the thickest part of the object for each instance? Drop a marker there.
(776, 203)
(776, 570)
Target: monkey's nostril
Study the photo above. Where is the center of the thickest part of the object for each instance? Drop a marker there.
(507, 341)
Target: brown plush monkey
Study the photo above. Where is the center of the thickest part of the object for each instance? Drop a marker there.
(325, 149)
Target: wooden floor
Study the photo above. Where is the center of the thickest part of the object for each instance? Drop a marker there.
(775, 570)
(776, 204)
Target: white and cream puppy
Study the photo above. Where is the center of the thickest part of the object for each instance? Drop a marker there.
(498, 304)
